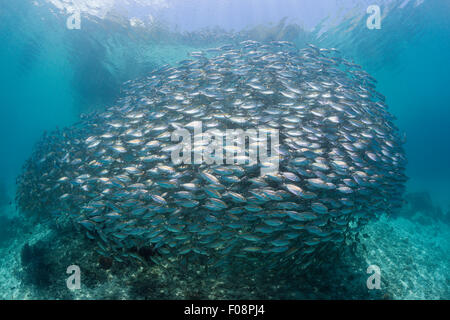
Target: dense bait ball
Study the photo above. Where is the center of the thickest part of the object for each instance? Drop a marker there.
(340, 160)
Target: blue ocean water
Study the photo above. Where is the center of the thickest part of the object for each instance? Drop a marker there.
(50, 75)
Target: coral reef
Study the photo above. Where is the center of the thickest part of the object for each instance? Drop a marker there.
(36, 264)
(105, 262)
(419, 207)
(4, 198)
(8, 229)
(413, 259)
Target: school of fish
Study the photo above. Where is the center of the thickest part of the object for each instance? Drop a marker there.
(341, 160)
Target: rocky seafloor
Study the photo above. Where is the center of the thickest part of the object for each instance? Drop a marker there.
(411, 249)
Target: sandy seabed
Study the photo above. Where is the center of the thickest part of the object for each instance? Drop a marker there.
(413, 259)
